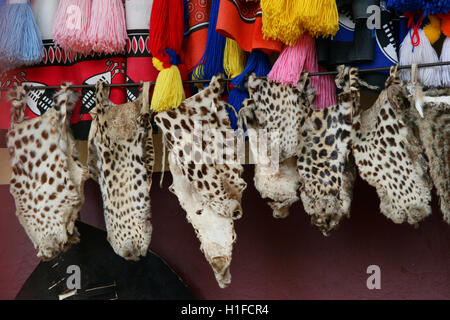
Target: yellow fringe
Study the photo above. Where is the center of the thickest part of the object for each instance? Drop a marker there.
(287, 20)
(157, 64)
(168, 92)
(197, 74)
(433, 29)
(234, 58)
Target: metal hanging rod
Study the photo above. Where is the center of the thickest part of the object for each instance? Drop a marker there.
(326, 73)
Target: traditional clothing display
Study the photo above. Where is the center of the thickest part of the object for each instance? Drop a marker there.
(281, 78)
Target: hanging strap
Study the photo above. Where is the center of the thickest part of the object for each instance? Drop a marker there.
(145, 109)
(18, 97)
(63, 107)
(304, 77)
(416, 90)
(101, 94)
(163, 161)
(414, 31)
(414, 74)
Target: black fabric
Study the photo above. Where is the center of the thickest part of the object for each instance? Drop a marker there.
(150, 278)
(360, 8)
(363, 46)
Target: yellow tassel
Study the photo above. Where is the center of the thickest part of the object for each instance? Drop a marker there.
(433, 29)
(197, 74)
(234, 58)
(168, 92)
(325, 22)
(157, 64)
(287, 20)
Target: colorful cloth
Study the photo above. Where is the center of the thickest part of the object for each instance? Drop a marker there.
(60, 66)
(242, 21)
(197, 31)
(139, 58)
(358, 45)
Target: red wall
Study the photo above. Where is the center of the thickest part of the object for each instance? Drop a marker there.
(274, 259)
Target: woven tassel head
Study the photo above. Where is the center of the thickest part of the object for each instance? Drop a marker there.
(417, 49)
(166, 36)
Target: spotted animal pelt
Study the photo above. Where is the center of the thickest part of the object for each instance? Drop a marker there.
(206, 176)
(325, 164)
(121, 159)
(434, 131)
(47, 177)
(273, 111)
(389, 156)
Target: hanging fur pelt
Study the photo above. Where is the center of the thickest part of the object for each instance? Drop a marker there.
(274, 111)
(207, 178)
(325, 164)
(434, 131)
(390, 157)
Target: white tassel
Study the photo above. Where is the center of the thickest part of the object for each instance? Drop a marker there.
(445, 56)
(423, 53)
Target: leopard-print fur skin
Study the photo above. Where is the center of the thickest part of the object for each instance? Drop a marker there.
(47, 179)
(389, 156)
(325, 165)
(434, 131)
(275, 108)
(210, 191)
(121, 158)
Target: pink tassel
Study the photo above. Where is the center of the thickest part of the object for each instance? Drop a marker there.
(293, 60)
(324, 85)
(325, 90)
(289, 65)
(107, 30)
(70, 29)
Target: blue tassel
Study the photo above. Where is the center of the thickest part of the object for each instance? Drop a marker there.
(186, 17)
(211, 62)
(257, 63)
(236, 97)
(428, 6)
(21, 42)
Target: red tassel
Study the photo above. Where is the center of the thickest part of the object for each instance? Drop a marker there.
(166, 39)
(166, 28)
